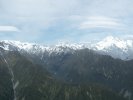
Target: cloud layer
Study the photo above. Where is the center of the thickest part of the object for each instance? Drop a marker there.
(8, 29)
(101, 22)
(49, 21)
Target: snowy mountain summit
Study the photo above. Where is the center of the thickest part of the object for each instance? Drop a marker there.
(113, 46)
(113, 41)
(116, 47)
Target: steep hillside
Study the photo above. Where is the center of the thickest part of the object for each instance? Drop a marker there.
(34, 82)
(6, 86)
(88, 67)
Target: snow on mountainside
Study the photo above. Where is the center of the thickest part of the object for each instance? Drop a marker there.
(35, 48)
(115, 47)
(112, 46)
(113, 41)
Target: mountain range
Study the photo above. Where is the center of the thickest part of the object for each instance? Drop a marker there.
(100, 70)
(112, 46)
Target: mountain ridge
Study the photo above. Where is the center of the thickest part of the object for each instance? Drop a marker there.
(112, 46)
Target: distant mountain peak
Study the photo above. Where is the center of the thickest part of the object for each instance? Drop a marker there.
(17, 44)
(111, 41)
(113, 46)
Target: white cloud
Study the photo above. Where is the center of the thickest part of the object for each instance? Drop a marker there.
(9, 29)
(44, 17)
(100, 22)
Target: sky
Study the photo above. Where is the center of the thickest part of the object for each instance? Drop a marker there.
(53, 21)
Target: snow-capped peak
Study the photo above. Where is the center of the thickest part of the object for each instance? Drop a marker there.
(115, 47)
(111, 41)
(70, 45)
(17, 44)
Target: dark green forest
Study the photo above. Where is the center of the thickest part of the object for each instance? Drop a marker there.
(82, 75)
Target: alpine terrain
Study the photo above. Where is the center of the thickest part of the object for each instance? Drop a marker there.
(100, 70)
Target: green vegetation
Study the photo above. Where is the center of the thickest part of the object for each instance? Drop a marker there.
(35, 82)
(6, 86)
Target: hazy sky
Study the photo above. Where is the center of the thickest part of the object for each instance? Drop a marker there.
(50, 21)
